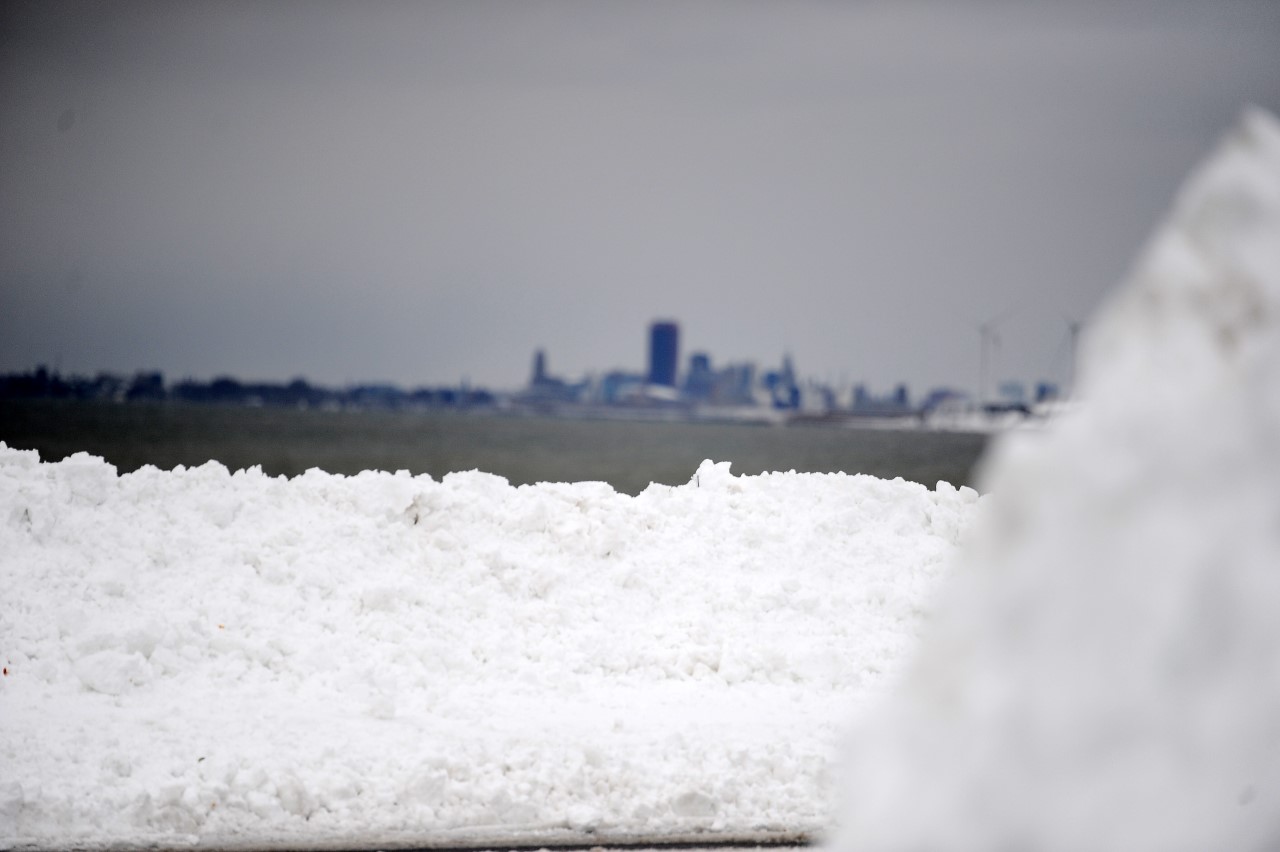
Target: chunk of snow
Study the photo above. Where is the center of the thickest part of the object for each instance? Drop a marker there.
(1106, 673)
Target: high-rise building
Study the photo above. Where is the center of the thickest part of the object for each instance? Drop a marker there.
(664, 351)
(539, 368)
(699, 380)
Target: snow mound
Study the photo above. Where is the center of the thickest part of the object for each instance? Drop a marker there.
(1106, 673)
(200, 656)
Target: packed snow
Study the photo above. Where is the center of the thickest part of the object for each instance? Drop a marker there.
(1105, 674)
(229, 659)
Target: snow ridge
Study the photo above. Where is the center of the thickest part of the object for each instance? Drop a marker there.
(235, 659)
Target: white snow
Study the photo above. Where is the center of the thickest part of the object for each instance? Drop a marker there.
(231, 659)
(204, 658)
(1105, 675)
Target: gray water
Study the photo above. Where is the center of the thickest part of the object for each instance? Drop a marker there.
(628, 455)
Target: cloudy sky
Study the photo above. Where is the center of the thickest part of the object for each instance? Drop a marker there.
(426, 192)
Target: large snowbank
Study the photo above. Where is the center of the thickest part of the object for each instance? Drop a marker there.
(201, 656)
(1106, 675)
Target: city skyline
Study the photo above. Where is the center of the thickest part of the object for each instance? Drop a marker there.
(670, 375)
(424, 193)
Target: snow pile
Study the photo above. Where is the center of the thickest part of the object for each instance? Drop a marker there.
(1107, 675)
(378, 660)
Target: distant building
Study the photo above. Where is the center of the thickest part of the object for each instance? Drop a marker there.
(619, 387)
(782, 387)
(545, 389)
(664, 351)
(539, 368)
(901, 398)
(895, 404)
(1012, 392)
(700, 380)
(733, 385)
(939, 397)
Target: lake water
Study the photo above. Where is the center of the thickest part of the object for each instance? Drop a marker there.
(627, 454)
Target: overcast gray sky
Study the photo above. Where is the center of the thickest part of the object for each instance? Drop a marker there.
(422, 192)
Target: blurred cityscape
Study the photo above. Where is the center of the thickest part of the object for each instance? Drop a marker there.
(701, 390)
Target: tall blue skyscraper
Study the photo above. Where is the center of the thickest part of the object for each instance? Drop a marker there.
(664, 351)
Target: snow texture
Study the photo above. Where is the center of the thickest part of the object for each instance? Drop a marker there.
(229, 659)
(1105, 674)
